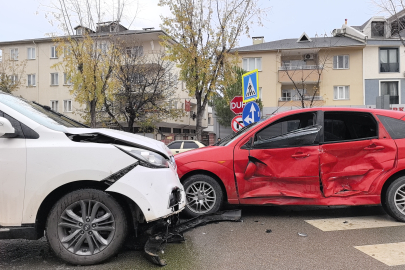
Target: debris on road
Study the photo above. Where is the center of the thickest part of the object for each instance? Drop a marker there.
(170, 233)
(268, 231)
(303, 234)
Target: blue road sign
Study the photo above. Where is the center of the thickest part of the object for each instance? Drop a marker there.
(251, 113)
(250, 83)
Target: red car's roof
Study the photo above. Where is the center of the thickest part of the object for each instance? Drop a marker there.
(390, 113)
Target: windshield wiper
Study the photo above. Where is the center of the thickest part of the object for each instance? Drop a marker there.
(59, 114)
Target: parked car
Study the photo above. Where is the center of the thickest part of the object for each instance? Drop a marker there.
(86, 188)
(177, 147)
(318, 156)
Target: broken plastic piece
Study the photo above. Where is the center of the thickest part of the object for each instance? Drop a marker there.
(302, 234)
(174, 233)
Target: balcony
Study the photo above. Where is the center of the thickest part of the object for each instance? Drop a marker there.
(307, 73)
(294, 98)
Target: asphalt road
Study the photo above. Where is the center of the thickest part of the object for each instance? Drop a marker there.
(247, 245)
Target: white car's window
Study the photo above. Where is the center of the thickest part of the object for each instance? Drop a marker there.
(38, 114)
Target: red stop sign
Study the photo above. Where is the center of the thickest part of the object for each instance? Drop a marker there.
(237, 105)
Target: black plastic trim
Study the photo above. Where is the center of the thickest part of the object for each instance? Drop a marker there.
(23, 232)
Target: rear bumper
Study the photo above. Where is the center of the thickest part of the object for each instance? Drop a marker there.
(157, 192)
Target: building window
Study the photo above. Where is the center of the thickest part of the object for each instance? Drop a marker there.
(292, 94)
(67, 50)
(31, 80)
(165, 129)
(377, 29)
(250, 64)
(31, 53)
(79, 31)
(209, 120)
(176, 130)
(186, 131)
(134, 51)
(54, 78)
(113, 28)
(66, 79)
(103, 47)
(391, 89)
(54, 105)
(341, 62)
(14, 79)
(67, 105)
(14, 54)
(341, 92)
(389, 60)
(54, 52)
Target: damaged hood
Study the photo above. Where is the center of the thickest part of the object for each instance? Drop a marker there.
(130, 138)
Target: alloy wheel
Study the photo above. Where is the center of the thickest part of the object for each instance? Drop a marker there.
(86, 227)
(201, 197)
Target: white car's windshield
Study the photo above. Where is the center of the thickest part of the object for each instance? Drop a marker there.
(40, 114)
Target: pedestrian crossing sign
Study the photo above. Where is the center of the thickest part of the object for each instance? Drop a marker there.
(250, 83)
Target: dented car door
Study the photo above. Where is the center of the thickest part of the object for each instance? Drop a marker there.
(281, 160)
(352, 153)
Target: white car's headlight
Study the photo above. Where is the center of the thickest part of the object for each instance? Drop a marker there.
(146, 158)
(150, 157)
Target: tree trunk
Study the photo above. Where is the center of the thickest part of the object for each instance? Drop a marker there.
(198, 126)
(93, 121)
(130, 123)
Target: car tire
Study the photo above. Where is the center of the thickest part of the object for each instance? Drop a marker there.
(203, 195)
(89, 238)
(396, 191)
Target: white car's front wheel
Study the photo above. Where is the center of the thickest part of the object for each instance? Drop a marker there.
(86, 227)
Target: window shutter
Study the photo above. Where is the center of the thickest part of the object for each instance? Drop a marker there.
(346, 61)
(335, 62)
(347, 93)
(335, 92)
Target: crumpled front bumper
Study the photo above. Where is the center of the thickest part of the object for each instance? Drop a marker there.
(157, 192)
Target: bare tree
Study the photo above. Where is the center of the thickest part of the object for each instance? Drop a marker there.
(146, 87)
(304, 71)
(12, 72)
(396, 21)
(89, 57)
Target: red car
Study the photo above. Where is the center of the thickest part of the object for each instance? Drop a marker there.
(317, 156)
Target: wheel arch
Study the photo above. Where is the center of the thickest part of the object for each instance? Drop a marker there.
(211, 174)
(388, 182)
(130, 207)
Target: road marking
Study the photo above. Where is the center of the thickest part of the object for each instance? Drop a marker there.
(391, 254)
(353, 223)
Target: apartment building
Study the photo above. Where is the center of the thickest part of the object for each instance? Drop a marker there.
(50, 86)
(328, 70)
(383, 64)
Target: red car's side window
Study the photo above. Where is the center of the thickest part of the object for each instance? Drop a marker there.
(349, 126)
(291, 131)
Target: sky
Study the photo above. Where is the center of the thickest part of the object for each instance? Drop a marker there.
(24, 19)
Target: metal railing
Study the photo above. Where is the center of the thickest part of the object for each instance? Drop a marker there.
(294, 98)
(304, 67)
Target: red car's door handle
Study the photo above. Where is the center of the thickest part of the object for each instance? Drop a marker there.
(374, 147)
(300, 155)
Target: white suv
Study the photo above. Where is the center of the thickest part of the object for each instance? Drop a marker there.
(86, 188)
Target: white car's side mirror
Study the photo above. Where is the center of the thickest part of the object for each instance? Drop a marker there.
(5, 127)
